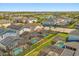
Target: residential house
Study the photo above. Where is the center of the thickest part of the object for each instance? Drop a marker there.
(72, 45)
(18, 28)
(74, 36)
(32, 20)
(5, 23)
(67, 52)
(57, 21)
(9, 42)
(52, 53)
(56, 49)
(7, 33)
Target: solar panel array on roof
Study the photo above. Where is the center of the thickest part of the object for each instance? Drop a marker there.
(9, 41)
(3, 31)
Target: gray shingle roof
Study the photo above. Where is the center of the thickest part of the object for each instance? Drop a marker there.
(9, 41)
(15, 27)
(67, 52)
(75, 32)
(76, 53)
(3, 31)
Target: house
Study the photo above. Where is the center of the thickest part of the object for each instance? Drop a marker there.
(39, 28)
(17, 51)
(57, 21)
(19, 19)
(56, 49)
(63, 21)
(18, 28)
(33, 26)
(72, 45)
(74, 36)
(67, 52)
(27, 28)
(58, 38)
(6, 33)
(32, 20)
(49, 22)
(44, 52)
(5, 23)
(9, 42)
(34, 40)
(51, 53)
(60, 44)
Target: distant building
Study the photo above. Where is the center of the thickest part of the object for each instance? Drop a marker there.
(49, 22)
(19, 19)
(57, 21)
(33, 26)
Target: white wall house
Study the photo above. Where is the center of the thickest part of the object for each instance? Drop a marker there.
(31, 20)
(38, 28)
(24, 30)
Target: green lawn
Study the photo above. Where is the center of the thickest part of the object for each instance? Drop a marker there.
(63, 35)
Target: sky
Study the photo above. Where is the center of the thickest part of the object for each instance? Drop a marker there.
(39, 6)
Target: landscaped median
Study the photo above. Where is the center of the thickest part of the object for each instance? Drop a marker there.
(38, 47)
